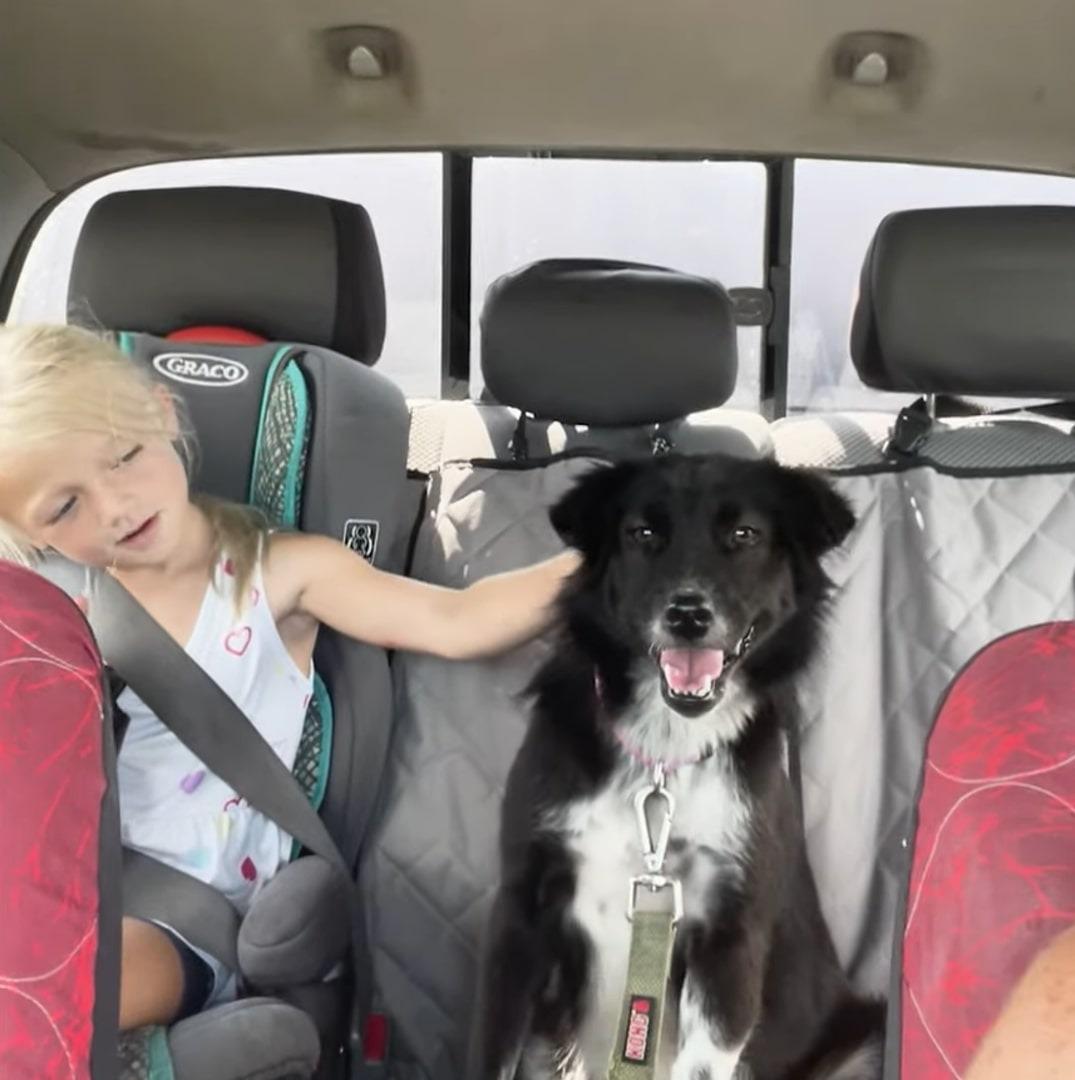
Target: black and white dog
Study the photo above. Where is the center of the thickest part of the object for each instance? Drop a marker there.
(697, 604)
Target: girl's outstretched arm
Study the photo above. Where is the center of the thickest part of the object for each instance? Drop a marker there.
(327, 582)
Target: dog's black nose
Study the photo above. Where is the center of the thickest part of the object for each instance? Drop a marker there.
(689, 615)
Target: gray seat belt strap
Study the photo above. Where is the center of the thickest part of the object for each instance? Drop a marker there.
(156, 892)
(201, 715)
(214, 728)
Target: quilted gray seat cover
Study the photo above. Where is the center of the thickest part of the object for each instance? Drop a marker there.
(430, 876)
(974, 540)
(940, 563)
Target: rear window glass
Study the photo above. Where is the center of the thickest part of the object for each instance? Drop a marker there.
(838, 206)
(701, 217)
(401, 192)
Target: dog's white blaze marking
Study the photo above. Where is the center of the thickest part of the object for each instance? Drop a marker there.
(601, 832)
(701, 1050)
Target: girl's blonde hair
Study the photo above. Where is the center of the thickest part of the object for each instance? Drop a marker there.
(58, 379)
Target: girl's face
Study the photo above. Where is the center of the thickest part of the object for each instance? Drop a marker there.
(99, 500)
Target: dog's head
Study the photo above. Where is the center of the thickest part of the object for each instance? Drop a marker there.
(695, 568)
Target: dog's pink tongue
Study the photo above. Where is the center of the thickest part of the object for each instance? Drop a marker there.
(688, 671)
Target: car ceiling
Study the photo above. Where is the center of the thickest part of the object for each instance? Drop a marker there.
(92, 86)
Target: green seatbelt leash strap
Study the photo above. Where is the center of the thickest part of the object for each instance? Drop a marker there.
(638, 1037)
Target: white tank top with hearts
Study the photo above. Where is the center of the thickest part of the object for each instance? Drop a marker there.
(171, 806)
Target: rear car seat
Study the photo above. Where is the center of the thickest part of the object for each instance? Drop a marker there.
(611, 358)
(59, 863)
(965, 529)
(299, 425)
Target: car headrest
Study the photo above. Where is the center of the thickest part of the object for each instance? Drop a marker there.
(971, 300)
(588, 341)
(285, 265)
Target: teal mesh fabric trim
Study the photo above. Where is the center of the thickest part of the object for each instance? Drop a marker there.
(160, 1058)
(307, 768)
(276, 486)
(324, 705)
(300, 449)
(259, 465)
(315, 749)
(282, 444)
(143, 1055)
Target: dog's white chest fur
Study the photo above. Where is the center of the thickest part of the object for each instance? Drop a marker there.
(708, 837)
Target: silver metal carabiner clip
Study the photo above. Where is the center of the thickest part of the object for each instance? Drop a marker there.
(654, 849)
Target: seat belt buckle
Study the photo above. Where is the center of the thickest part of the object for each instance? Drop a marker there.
(375, 1040)
(655, 883)
(370, 1043)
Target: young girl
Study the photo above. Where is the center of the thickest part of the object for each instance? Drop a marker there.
(92, 454)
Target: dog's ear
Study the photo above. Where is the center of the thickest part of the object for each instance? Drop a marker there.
(818, 516)
(587, 515)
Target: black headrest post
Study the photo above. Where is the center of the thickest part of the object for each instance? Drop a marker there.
(520, 446)
(660, 443)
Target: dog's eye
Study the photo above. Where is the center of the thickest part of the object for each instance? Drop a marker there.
(642, 534)
(744, 536)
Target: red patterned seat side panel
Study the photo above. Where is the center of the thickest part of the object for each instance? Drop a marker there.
(993, 871)
(52, 780)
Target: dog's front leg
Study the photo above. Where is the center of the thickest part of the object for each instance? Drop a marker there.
(513, 970)
(719, 1007)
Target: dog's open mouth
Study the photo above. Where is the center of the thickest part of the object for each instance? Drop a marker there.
(691, 679)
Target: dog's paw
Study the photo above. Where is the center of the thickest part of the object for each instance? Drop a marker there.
(706, 1062)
